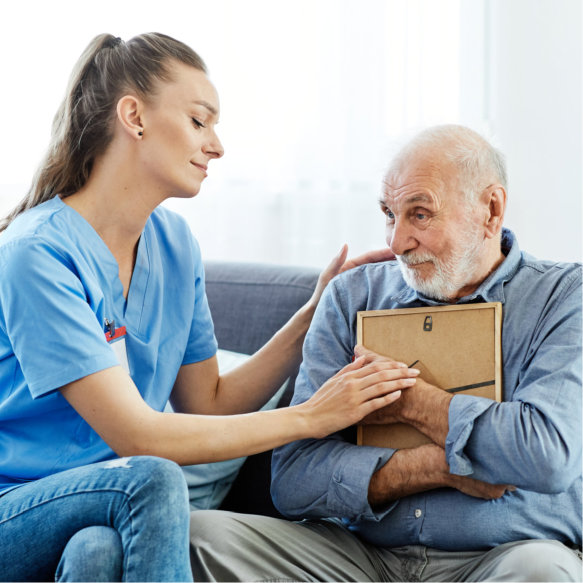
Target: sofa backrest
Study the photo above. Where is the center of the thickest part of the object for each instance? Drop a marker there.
(250, 302)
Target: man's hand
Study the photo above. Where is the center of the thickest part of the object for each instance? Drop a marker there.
(410, 471)
(340, 264)
(424, 406)
(479, 489)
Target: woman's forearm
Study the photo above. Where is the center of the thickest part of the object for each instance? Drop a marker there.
(250, 385)
(194, 439)
(110, 402)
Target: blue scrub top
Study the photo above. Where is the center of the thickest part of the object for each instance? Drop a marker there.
(59, 285)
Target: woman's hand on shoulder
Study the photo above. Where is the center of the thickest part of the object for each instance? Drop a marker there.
(340, 264)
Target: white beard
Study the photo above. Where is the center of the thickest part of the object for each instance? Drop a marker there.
(451, 274)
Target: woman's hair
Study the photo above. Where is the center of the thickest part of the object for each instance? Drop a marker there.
(83, 125)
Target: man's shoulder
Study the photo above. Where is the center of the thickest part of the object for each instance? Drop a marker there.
(555, 273)
(372, 286)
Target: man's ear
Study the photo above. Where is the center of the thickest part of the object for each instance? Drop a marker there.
(495, 198)
(129, 111)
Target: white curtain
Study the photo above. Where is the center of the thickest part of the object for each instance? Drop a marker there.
(314, 101)
(315, 95)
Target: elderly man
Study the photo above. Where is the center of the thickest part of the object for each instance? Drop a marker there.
(497, 494)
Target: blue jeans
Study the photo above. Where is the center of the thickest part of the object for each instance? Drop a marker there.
(132, 514)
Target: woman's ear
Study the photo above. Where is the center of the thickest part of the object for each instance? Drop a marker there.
(495, 198)
(129, 111)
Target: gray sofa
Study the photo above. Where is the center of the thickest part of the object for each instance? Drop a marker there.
(249, 302)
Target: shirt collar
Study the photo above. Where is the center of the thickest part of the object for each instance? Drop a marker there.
(490, 290)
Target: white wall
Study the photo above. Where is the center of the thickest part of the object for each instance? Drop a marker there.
(520, 83)
(535, 106)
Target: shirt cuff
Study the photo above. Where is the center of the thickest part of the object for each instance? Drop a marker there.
(463, 412)
(348, 492)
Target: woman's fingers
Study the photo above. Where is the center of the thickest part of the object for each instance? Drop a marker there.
(369, 257)
(370, 355)
(357, 390)
(372, 377)
(331, 271)
(376, 372)
(356, 364)
(340, 264)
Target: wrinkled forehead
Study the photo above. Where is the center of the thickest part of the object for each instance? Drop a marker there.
(419, 176)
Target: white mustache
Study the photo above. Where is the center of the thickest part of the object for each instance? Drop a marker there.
(415, 259)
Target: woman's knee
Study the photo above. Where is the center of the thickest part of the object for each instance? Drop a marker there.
(162, 473)
(94, 553)
(155, 476)
(160, 489)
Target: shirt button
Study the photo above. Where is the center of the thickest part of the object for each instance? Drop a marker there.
(418, 513)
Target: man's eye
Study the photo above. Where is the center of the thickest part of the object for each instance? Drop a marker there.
(421, 216)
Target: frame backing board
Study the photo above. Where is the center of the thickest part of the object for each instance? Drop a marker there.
(457, 348)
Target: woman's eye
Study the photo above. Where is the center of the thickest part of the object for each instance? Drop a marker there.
(197, 123)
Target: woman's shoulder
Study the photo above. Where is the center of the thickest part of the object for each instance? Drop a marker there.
(32, 222)
(32, 232)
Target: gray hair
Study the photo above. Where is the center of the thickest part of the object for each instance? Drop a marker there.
(478, 162)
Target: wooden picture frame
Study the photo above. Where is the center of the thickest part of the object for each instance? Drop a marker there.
(456, 347)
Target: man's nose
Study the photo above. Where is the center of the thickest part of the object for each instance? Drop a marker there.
(400, 238)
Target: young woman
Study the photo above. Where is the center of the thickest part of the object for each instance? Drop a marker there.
(103, 319)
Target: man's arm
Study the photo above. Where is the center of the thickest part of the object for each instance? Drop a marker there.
(410, 471)
(331, 477)
(538, 427)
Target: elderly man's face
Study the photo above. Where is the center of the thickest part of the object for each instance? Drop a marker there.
(434, 232)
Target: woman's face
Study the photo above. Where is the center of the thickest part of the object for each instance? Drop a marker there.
(179, 136)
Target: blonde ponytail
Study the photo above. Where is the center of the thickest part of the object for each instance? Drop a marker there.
(83, 125)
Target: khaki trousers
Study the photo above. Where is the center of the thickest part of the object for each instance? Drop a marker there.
(226, 546)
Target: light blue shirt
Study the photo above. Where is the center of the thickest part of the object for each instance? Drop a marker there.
(531, 440)
(59, 283)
